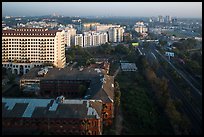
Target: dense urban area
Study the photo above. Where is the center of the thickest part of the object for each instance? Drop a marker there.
(101, 75)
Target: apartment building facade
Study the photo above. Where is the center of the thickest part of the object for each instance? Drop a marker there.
(79, 40)
(25, 48)
(140, 27)
(115, 34)
(88, 39)
(70, 34)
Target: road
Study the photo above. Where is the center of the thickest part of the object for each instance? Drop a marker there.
(193, 112)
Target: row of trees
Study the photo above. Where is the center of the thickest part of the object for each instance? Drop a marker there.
(193, 59)
(80, 55)
(161, 94)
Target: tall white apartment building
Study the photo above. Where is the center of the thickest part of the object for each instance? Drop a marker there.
(115, 34)
(103, 38)
(160, 18)
(96, 39)
(168, 19)
(70, 34)
(67, 39)
(79, 40)
(88, 41)
(140, 27)
(25, 48)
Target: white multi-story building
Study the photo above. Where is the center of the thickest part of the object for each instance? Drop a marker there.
(115, 34)
(88, 39)
(103, 38)
(140, 27)
(96, 39)
(160, 19)
(79, 40)
(70, 34)
(168, 19)
(25, 48)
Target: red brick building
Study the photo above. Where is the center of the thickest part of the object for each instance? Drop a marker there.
(47, 116)
(87, 84)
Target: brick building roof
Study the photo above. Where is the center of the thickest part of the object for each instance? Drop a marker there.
(101, 85)
(50, 108)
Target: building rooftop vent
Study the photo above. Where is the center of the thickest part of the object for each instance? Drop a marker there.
(60, 99)
(43, 71)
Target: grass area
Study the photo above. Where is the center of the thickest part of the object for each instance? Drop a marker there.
(140, 114)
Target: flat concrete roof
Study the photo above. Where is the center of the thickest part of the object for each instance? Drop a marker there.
(128, 67)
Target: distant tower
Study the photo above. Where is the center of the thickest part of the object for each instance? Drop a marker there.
(160, 18)
(80, 28)
(168, 19)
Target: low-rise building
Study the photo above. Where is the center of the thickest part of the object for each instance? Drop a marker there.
(51, 116)
(88, 83)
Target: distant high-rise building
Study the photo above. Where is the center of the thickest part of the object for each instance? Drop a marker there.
(150, 20)
(72, 32)
(168, 19)
(160, 19)
(79, 40)
(116, 34)
(96, 39)
(87, 39)
(103, 38)
(140, 27)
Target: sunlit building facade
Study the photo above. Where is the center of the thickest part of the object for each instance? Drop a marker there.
(25, 48)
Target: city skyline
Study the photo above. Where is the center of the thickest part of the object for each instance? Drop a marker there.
(131, 9)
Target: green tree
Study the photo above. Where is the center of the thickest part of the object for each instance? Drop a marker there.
(106, 48)
(121, 49)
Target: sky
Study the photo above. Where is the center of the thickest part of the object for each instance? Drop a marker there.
(133, 9)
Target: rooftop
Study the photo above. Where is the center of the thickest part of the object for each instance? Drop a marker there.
(101, 85)
(50, 108)
(30, 32)
(128, 67)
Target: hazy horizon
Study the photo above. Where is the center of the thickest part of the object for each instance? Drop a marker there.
(129, 9)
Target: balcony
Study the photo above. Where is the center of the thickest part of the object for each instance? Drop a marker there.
(5, 54)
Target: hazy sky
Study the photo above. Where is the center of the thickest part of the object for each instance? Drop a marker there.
(146, 9)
